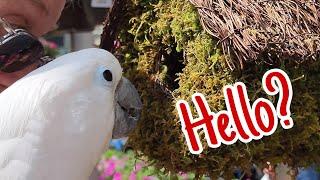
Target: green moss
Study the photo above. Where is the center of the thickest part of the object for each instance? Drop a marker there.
(156, 30)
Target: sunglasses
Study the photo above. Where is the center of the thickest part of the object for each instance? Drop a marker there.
(19, 49)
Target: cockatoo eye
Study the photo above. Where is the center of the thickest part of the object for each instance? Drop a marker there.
(107, 75)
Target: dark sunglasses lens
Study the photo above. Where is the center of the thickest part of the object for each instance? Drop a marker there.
(19, 51)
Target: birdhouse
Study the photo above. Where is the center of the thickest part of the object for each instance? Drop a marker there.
(173, 49)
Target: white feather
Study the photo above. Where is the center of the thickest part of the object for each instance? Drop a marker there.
(56, 121)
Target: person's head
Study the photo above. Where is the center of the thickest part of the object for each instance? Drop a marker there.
(36, 16)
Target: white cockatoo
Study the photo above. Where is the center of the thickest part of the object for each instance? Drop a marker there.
(56, 122)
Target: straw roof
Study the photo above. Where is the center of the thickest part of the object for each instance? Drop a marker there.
(252, 30)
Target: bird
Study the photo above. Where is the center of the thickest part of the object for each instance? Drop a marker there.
(56, 122)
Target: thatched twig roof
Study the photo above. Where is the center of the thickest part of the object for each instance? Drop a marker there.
(251, 29)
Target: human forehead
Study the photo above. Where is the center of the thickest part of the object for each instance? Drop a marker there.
(37, 16)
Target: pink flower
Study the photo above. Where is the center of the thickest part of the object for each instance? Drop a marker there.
(121, 163)
(138, 167)
(52, 45)
(149, 178)
(109, 169)
(183, 175)
(117, 176)
(102, 178)
(117, 44)
(133, 176)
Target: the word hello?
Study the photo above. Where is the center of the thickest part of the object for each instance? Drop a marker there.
(241, 121)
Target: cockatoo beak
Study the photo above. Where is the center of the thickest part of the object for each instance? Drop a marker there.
(127, 110)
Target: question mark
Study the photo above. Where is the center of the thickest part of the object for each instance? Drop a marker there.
(276, 81)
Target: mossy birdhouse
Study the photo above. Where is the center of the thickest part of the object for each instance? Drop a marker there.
(171, 49)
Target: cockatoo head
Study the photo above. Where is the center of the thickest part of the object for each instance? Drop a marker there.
(86, 86)
(65, 112)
